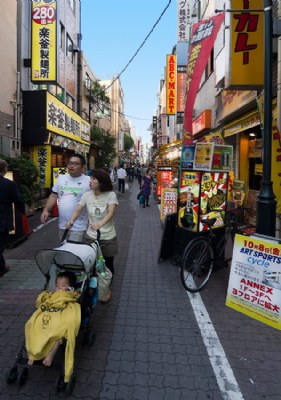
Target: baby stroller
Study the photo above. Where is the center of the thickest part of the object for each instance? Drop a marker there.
(79, 259)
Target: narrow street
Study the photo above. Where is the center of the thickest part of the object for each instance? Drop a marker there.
(153, 341)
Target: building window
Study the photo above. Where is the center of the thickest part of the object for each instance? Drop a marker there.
(87, 81)
(69, 101)
(62, 36)
(210, 65)
(69, 48)
(71, 3)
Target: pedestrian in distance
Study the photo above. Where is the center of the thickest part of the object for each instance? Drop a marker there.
(101, 203)
(68, 190)
(9, 195)
(121, 175)
(147, 180)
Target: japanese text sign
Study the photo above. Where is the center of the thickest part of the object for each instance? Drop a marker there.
(203, 37)
(64, 121)
(246, 45)
(42, 160)
(169, 200)
(171, 82)
(184, 19)
(44, 41)
(254, 286)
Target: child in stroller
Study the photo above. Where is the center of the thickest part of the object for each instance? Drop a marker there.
(57, 316)
(70, 307)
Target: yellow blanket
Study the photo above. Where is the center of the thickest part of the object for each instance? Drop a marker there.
(58, 316)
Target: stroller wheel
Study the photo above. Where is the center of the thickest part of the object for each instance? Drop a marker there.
(22, 378)
(60, 385)
(12, 375)
(70, 386)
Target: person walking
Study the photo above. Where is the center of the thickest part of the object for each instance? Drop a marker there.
(121, 175)
(68, 190)
(101, 203)
(147, 180)
(9, 195)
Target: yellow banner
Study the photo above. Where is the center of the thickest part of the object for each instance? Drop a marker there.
(42, 160)
(64, 121)
(44, 41)
(171, 82)
(254, 286)
(247, 44)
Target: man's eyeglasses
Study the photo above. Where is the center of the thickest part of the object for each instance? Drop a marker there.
(75, 163)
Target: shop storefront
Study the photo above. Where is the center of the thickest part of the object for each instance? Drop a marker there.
(52, 132)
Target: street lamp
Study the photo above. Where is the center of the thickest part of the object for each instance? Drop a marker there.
(266, 204)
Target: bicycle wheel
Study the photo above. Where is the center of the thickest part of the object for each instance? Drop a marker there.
(197, 264)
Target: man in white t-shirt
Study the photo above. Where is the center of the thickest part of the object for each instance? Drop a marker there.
(68, 190)
(121, 175)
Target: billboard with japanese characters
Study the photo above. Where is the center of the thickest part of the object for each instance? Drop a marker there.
(245, 65)
(42, 160)
(44, 41)
(171, 84)
(169, 200)
(203, 37)
(254, 286)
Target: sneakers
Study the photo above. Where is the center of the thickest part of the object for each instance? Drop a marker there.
(4, 270)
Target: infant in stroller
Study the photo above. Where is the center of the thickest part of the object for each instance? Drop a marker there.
(57, 317)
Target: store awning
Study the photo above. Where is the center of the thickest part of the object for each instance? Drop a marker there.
(248, 120)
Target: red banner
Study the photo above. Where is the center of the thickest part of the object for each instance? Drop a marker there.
(203, 37)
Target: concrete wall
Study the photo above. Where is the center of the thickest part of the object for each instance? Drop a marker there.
(8, 71)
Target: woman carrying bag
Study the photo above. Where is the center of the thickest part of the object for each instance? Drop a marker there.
(101, 203)
(147, 180)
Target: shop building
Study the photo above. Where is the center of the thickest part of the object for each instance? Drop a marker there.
(10, 141)
(49, 43)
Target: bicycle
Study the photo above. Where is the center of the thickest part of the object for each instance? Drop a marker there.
(199, 256)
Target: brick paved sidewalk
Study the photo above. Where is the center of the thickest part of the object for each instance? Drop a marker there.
(148, 344)
(146, 337)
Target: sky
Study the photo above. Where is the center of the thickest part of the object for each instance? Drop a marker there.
(112, 31)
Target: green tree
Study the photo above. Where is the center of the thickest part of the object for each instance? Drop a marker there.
(98, 97)
(106, 142)
(128, 143)
(28, 174)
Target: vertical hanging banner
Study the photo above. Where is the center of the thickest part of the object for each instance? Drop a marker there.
(184, 19)
(181, 87)
(203, 37)
(43, 41)
(171, 82)
(246, 45)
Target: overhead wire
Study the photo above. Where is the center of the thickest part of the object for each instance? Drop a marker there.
(132, 58)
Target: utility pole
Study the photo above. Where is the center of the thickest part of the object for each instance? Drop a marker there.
(266, 204)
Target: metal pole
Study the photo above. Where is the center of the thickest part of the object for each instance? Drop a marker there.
(266, 205)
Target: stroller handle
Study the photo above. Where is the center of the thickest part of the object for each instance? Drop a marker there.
(65, 233)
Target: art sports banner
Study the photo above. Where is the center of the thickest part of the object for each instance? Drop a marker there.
(254, 286)
(203, 37)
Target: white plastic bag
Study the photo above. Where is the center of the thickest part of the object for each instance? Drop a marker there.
(126, 186)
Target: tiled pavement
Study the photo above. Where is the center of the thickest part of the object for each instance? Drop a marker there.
(148, 344)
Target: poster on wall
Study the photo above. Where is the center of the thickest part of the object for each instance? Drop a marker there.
(254, 286)
(213, 196)
(164, 177)
(222, 158)
(187, 157)
(188, 204)
(203, 156)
